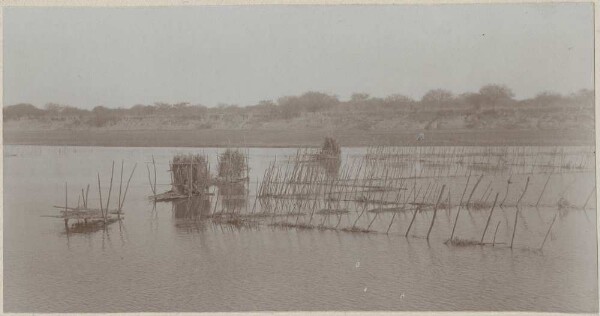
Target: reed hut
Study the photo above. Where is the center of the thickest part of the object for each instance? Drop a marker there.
(331, 149)
(189, 174)
(233, 165)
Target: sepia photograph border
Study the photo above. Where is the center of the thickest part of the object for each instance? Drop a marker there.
(195, 3)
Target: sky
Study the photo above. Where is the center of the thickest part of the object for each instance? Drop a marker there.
(119, 57)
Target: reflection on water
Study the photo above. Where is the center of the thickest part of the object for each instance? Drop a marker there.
(331, 167)
(196, 208)
(85, 227)
(233, 197)
(224, 251)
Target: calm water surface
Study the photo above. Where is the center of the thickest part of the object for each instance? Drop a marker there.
(157, 260)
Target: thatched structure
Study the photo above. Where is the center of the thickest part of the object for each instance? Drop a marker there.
(330, 149)
(189, 174)
(233, 165)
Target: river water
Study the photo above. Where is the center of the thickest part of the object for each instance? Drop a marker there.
(158, 260)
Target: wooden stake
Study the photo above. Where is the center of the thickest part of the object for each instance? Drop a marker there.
(544, 189)
(495, 232)
(459, 207)
(514, 228)
(589, 197)
(216, 201)
(507, 187)
(489, 218)
(110, 188)
(87, 191)
(254, 206)
(126, 188)
(100, 193)
(524, 191)
(435, 210)
(548, 232)
(473, 191)
(371, 223)
(360, 215)
(414, 214)
(154, 164)
(120, 186)
(66, 199)
(83, 199)
(190, 178)
(150, 182)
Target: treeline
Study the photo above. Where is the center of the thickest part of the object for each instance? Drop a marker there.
(488, 98)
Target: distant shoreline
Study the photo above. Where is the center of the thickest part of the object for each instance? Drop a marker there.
(295, 138)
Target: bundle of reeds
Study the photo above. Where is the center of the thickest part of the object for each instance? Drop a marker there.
(190, 174)
(233, 164)
(330, 149)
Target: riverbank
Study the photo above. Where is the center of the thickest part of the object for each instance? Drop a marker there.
(295, 138)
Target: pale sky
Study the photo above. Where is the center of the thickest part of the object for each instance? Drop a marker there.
(119, 57)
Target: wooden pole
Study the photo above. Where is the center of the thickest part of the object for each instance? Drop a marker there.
(495, 232)
(100, 193)
(154, 164)
(459, 207)
(150, 182)
(515, 227)
(216, 202)
(396, 203)
(589, 197)
(360, 215)
(548, 232)
(544, 189)
(190, 177)
(248, 171)
(83, 199)
(414, 214)
(488, 220)
(371, 223)
(507, 187)
(110, 188)
(87, 191)
(254, 206)
(66, 198)
(524, 191)
(126, 188)
(435, 211)
(120, 186)
(486, 191)
(473, 191)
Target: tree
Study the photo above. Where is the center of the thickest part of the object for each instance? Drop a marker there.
(358, 97)
(181, 105)
(472, 99)
(583, 97)
(495, 94)
(292, 106)
(437, 97)
(102, 116)
(398, 98)
(21, 110)
(547, 98)
(266, 104)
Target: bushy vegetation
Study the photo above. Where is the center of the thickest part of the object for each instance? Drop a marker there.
(492, 105)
